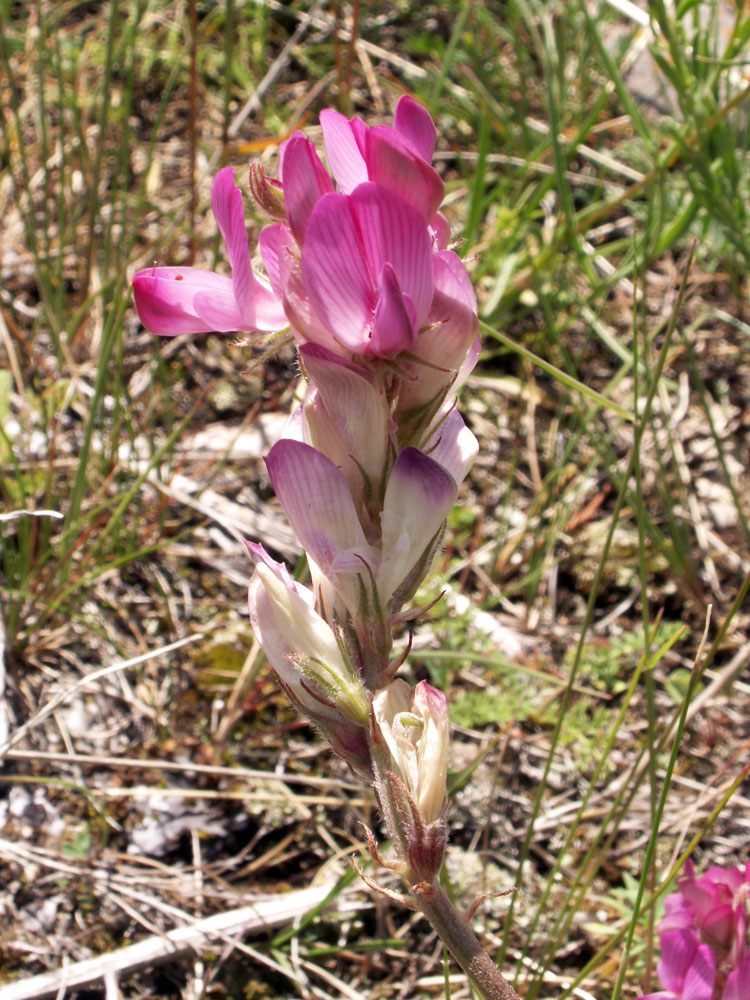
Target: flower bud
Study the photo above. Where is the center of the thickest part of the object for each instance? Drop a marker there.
(312, 666)
(414, 725)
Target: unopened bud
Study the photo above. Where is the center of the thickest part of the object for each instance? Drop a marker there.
(311, 664)
(414, 724)
(267, 193)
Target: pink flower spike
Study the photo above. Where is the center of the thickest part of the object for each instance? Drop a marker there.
(304, 179)
(419, 495)
(414, 125)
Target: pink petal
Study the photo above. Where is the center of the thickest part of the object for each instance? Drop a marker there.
(259, 555)
(345, 159)
(717, 928)
(699, 982)
(226, 202)
(173, 300)
(446, 346)
(395, 322)
(441, 231)
(317, 502)
(335, 271)
(393, 233)
(281, 256)
(678, 951)
(737, 986)
(419, 495)
(415, 126)
(352, 415)
(391, 164)
(269, 242)
(453, 446)
(305, 181)
(452, 321)
(452, 281)
(256, 303)
(263, 311)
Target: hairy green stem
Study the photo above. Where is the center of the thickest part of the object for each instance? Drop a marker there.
(460, 940)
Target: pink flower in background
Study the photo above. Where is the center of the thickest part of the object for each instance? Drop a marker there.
(705, 951)
(686, 968)
(174, 300)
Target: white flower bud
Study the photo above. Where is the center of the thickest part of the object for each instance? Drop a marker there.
(414, 724)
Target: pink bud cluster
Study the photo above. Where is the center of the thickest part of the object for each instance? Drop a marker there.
(358, 269)
(705, 937)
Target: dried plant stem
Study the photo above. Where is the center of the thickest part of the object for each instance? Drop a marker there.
(458, 937)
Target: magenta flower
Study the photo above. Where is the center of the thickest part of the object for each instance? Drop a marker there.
(705, 952)
(347, 417)
(686, 968)
(174, 300)
(397, 158)
(365, 276)
(447, 348)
